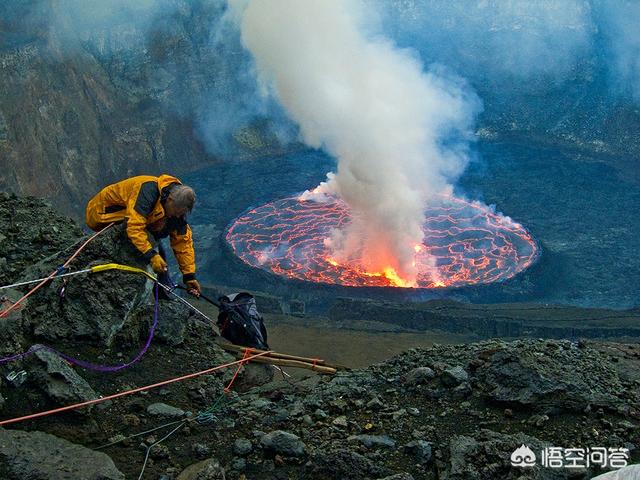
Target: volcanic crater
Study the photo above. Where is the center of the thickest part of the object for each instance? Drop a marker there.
(465, 243)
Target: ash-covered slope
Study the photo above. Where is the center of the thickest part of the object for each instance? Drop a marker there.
(447, 412)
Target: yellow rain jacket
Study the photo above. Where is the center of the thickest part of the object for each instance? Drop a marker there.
(138, 201)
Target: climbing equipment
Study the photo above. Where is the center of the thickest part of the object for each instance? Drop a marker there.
(6, 312)
(89, 365)
(126, 392)
(316, 364)
(102, 268)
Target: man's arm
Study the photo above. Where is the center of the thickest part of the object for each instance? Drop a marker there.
(138, 208)
(182, 244)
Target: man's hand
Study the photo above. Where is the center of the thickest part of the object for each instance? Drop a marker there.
(158, 264)
(193, 287)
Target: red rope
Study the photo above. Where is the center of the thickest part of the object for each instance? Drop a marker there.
(127, 392)
(6, 312)
(247, 352)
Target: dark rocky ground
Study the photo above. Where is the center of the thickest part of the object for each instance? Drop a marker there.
(445, 412)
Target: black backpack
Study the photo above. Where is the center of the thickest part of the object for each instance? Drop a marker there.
(239, 321)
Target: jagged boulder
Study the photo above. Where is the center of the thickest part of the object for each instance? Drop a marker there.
(487, 455)
(418, 376)
(57, 379)
(164, 410)
(95, 306)
(173, 320)
(420, 449)
(40, 456)
(284, 443)
(242, 446)
(536, 374)
(254, 374)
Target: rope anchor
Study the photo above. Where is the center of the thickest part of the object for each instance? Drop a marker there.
(16, 378)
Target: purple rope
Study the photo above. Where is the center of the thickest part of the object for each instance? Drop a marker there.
(88, 365)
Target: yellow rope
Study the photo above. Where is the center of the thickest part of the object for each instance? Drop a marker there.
(126, 268)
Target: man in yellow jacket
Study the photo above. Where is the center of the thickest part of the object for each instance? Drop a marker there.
(150, 205)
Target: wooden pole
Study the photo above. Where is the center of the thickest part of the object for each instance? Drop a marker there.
(317, 361)
(294, 363)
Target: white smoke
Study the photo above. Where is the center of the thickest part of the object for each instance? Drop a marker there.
(497, 39)
(399, 132)
(619, 24)
(115, 26)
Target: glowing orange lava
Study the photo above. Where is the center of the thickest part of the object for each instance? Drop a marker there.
(465, 243)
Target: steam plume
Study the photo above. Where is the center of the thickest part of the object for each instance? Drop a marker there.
(620, 29)
(399, 132)
(497, 39)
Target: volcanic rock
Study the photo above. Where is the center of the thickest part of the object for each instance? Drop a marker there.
(40, 456)
(58, 380)
(297, 409)
(452, 377)
(242, 446)
(341, 463)
(488, 455)
(399, 402)
(340, 421)
(253, 374)
(201, 450)
(375, 404)
(371, 441)
(283, 442)
(239, 464)
(96, 306)
(164, 410)
(173, 319)
(418, 376)
(532, 374)
(486, 321)
(209, 469)
(297, 308)
(420, 449)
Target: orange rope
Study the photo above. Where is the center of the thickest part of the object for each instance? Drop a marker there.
(6, 312)
(247, 352)
(127, 392)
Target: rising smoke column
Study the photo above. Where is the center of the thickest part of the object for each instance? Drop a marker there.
(398, 132)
